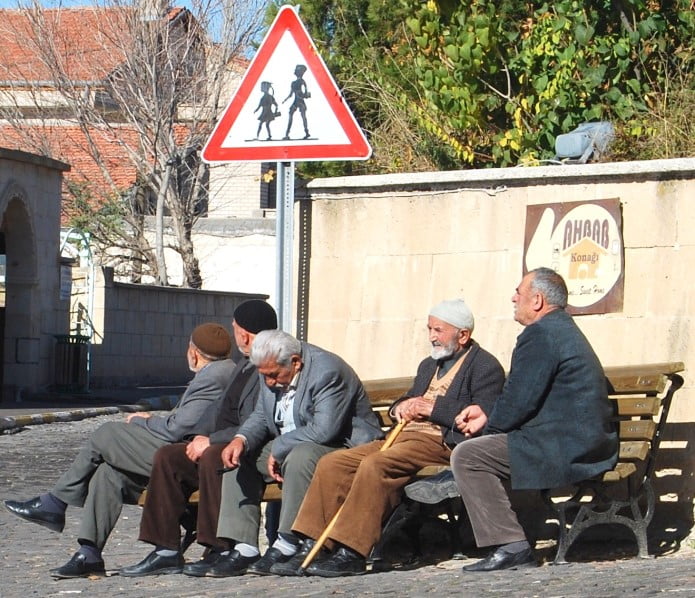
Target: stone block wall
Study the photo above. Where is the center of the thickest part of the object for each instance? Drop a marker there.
(142, 331)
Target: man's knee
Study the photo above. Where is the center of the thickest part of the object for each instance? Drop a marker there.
(167, 455)
(106, 434)
(301, 459)
(211, 458)
(467, 455)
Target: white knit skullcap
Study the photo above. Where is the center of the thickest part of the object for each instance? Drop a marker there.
(454, 312)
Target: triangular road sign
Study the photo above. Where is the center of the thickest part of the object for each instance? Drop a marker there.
(287, 107)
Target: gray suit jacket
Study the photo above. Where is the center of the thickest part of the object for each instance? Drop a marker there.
(554, 407)
(331, 408)
(207, 387)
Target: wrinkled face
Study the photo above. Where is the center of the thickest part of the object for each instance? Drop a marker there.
(526, 301)
(445, 338)
(242, 338)
(280, 376)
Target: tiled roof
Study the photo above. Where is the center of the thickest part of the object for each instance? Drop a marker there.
(88, 41)
(68, 143)
(84, 41)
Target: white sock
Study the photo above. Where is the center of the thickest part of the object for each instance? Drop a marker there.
(246, 549)
(285, 547)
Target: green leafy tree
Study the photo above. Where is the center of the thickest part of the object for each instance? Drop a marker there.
(505, 78)
(446, 85)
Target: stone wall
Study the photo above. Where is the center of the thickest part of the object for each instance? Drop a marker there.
(142, 331)
(32, 311)
(376, 252)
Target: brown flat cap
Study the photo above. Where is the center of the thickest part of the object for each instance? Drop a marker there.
(212, 339)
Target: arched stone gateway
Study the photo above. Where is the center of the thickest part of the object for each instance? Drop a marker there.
(31, 310)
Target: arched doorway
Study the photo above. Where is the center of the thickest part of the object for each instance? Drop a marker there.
(19, 323)
(3, 262)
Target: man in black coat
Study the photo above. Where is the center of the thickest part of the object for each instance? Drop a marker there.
(182, 468)
(550, 426)
(367, 481)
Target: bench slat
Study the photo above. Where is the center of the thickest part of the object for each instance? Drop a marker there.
(644, 369)
(386, 390)
(631, 384)
(619, 472)
(637, 429)
(633, 450)
(629, 406)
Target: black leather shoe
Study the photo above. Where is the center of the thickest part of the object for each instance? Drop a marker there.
(293, 567)
(31, 511)
(500, 559)
(230, 565)
(201, 567)
(77, 566)
(342, 562)
(155, 564)
(271, 557)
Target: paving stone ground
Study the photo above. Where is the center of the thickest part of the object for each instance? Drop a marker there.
(31, 460)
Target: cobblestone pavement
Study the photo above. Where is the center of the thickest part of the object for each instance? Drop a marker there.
(31, 460)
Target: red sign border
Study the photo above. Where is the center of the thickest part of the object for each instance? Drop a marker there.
(358, 148)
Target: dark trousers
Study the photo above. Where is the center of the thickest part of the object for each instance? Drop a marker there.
(173, 479)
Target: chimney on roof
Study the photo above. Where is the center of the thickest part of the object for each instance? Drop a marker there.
(152, 10)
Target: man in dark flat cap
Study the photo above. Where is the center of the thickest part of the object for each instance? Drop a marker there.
(182, 468)
(114, 466)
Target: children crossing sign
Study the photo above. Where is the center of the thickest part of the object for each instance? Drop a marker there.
(287, 107)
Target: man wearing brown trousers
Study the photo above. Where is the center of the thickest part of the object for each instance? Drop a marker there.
(180, 469)
(367, 481)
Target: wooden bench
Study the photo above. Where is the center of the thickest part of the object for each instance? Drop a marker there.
(642, 396)
(382, 393)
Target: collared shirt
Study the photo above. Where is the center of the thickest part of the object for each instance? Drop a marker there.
(284, 406)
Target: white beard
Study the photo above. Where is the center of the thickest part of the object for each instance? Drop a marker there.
(441, 352)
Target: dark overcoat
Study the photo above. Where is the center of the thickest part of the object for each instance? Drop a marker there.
(554, 407)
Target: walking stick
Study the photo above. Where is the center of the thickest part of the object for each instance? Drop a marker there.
(324, 536)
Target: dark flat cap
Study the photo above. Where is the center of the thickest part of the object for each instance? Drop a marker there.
(255, 315)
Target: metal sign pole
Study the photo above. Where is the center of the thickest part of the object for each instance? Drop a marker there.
(284, 229)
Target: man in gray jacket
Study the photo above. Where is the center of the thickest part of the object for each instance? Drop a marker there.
(183, 467)
(312, 403)
(115, 464)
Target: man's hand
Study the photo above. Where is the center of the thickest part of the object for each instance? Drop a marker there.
(231, 454)
(471, 420)
(274, 470)
(143, 414)
(196, 447)
(414, 409)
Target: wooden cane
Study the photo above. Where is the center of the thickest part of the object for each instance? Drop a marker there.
(324, 536)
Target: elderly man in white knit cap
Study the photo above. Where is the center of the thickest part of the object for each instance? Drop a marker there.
(368, 482)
